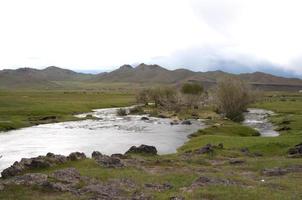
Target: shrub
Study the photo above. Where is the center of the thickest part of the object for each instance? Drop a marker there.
(232, 96)
(192, 94)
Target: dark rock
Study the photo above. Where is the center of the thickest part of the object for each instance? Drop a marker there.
(69, 175)
(107, 161)
(58, 187)
(283, 128)
(119, 155)
(159, 187)
(162, 116)
(206, 149)
(33, 163)
(274, 172)
(236, 161)
(96, 154)
(48, 118)
(244, 150)
(76, 156)
(143, 149)
(204, 181)
(145, 118)
(186, 122)
(174, 122)
(296, 151)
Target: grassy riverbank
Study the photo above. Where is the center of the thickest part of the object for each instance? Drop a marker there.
(235, 171)
(26, 108)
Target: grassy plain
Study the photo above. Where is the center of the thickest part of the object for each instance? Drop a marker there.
(26, 108)
(182, 169)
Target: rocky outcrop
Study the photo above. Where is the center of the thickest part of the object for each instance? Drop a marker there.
(76, 156)
(142, 149)
(277, 171)
(107, 161)
(295, 152)
(49, 160)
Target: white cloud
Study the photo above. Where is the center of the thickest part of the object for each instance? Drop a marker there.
(101, 34)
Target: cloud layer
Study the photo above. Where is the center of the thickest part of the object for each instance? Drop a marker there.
(231, 35)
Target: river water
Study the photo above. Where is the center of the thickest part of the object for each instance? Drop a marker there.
(108, 134)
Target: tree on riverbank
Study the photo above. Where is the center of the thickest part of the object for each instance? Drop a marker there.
(231, 97)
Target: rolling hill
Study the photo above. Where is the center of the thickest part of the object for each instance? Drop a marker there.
(51, 77)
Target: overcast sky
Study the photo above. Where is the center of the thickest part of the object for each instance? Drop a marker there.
(232, 35)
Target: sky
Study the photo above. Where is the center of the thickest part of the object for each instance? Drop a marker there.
(99, 35)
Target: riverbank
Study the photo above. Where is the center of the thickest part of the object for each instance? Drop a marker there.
(19, 109)
(222, 162)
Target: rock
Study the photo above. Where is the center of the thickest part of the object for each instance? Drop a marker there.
(96, 154)
(174, 122)
(31, 179)
(58, 187)
(102, 191)
(48, 118)
(145, 118)
(1, 187)
(162, 116)
(143, 149)
(186, 122)
(204, 181)
(274, 172)
(206, 149)
(33, 163)
(76, 156)
(119, 155)
(159, 187)
(283, 128)
(236, 161)
(69, 175)
(107, 161)
(296, 151)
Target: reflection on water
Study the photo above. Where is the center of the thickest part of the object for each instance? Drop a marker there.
(108, 134)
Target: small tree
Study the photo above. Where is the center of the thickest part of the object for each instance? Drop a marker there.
(232, 96)
(192, 93)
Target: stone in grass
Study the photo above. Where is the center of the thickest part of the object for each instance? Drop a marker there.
(107, 161)
(142, 149)
(76, 156)
(236, 161)
(296, 151)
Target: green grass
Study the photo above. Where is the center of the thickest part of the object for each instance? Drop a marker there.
(25, 108)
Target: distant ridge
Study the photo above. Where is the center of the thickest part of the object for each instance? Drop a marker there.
(142, 74)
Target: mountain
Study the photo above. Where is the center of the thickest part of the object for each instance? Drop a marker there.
(54, 77)
(46, 78)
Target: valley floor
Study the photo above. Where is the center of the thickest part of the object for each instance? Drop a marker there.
(224, 161)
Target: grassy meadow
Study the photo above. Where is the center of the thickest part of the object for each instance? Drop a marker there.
(26, 108)
(182, 169)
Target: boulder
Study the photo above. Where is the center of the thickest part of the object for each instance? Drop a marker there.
(143, 149)
(76, 156)
(174, 122)
(33, 163)
(145, 118)
(107, 161)
(296, 151)
(159, 187)
(206, 149)
(186, 122)
(274, 172)
(30, 179)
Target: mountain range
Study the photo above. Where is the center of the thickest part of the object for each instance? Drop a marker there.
(52, 77)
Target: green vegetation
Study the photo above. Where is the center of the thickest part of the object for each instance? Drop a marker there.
(26, 108)
(183, 169)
